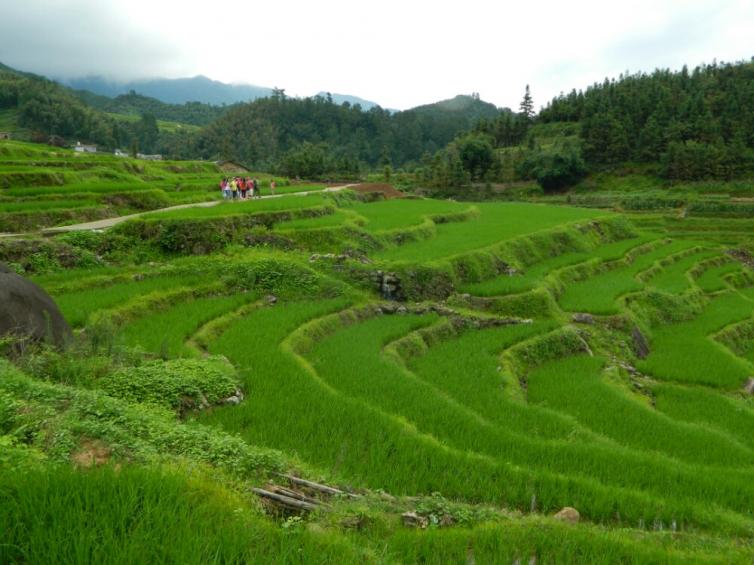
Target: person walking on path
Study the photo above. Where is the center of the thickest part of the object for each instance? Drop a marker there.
(244, 188)
(257, 190)
(225, 187)
(234, 188)
(272, 187)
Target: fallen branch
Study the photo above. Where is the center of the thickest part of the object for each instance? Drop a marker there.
(285, 500)
(277, 489)
(316, 486)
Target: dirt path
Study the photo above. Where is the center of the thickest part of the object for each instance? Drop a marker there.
(110, 222)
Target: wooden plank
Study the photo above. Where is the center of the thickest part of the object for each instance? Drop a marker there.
(284, 500)
(316, 486)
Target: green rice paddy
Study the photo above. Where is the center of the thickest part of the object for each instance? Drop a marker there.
(487, 425)
(497, 222)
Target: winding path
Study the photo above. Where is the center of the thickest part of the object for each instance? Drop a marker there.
(110, 222)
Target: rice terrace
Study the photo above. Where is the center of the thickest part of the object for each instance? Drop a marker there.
(522, 337)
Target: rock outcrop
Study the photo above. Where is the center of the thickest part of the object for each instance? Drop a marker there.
(28, 312)
(568, 514)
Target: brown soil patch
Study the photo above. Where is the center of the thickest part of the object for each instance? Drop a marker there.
(91, 453)
(387, 190)
(231, 168)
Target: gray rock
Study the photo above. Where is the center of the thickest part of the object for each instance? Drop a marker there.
(640, 343)
(28, 312)
(583, 318)
(749, 386)
(413, 520)
(568, 514)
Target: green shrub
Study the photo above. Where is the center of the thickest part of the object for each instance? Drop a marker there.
(177, 384)
(556, 168)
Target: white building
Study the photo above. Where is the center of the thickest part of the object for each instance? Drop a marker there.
(85, 148)
(120, 153)
(149, 157)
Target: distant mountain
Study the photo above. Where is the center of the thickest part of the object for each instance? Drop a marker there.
(132, 104)
(352, 100)
(174, 91)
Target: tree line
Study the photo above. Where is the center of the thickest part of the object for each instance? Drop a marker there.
(697, 124)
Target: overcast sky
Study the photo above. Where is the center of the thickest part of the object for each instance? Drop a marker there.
(397, 53)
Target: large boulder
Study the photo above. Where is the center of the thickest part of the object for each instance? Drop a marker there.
(28, 312)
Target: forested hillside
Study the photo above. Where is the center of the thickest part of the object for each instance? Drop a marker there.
(685, 125)
(134, 104)
(42, 110)
(306, 137)
(699, 124)
(273, 129)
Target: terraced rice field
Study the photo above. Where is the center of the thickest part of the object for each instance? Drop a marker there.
(599, 293)
(49, 187)
(496, 222)
(436, 393)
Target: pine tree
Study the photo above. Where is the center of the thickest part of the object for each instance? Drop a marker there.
(527, 105)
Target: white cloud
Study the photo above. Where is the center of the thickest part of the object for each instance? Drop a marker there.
(399, 53)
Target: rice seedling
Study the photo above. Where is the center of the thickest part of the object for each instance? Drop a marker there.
(339, 218)
(674, 278)
(533, 274)
(77, 306)
(497, 222)
(598, 294)
(685, 352)
(713, 279)
(39, 205)
(165, 333)
(136, 515)
(576, 387)
(394, 214)
(709, 407)
(480, 385)
(380, 383)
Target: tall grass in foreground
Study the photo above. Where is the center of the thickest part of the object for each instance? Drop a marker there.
(145, 515)
(141, 515)
(535, 540)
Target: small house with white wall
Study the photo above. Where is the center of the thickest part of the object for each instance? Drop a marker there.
(120, 153)
(79, 148)
(149, 157)
(4, 135)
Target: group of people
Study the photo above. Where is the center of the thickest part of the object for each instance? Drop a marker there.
(234, 188)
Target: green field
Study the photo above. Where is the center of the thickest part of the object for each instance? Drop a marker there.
(44, 187)
(422, 355)
(496, 223)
